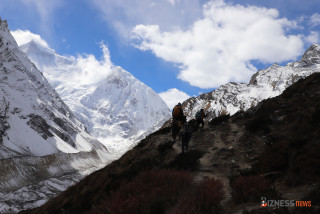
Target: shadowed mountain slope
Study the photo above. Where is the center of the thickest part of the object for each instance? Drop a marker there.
(271, 151)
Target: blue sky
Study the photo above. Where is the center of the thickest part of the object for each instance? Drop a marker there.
(191, 45)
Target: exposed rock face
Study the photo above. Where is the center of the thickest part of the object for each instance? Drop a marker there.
(4, 108)
(311, 56)
(266, 83)
(42, 143)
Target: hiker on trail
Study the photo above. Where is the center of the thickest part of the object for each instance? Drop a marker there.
(199, 117)
(177, 120)
(177, 113)
(185, 135)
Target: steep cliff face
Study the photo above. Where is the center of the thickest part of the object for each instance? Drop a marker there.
(266, 83)
(41, 140)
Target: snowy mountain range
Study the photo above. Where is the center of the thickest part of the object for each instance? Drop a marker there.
(60, 125)
(42, 139)
(266, 83)
(44, 148)
(116, 108)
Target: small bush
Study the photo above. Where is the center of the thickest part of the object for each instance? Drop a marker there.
(205, 198)
(187, 161)
(150, 192)
(249, 188)
(258, 123)
(218, 120)
(275, 157)
(305, 166)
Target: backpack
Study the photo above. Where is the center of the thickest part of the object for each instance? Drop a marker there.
(176, 112)
(187, 128)
(198, 115)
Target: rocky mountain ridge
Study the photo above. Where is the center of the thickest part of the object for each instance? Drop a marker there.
(266, 83)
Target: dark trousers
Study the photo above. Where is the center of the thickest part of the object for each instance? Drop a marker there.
(200, 121)
(175, 129)
(184, 146)
(185, 142)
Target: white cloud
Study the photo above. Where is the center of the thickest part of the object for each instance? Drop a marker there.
(89, 70)
(313, 37)
(172, 2)
(81, 69)
(45, 9)
(220, 47)
(123, 15)
(173, 96)
(315, 20)
(25, 36)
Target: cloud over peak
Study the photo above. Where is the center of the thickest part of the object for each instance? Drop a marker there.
(123, 15)
(24, 36)
(173, 96)
(221, 46)
(81, 69)
(90, 70)
(315, 19)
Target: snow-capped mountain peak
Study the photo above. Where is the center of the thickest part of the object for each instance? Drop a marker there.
(117, 108)
(311, 56)
(43, 56)
(44, 148)
(266, 83)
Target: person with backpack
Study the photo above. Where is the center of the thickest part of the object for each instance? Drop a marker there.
(199, 117)
(177, 120)
(177, 112)
(185, 136)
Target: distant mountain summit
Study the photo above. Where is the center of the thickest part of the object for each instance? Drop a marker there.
(311, 56)
(44, 148)
(266, 83)
(45, 56)
(118, 109)
(39, 122)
